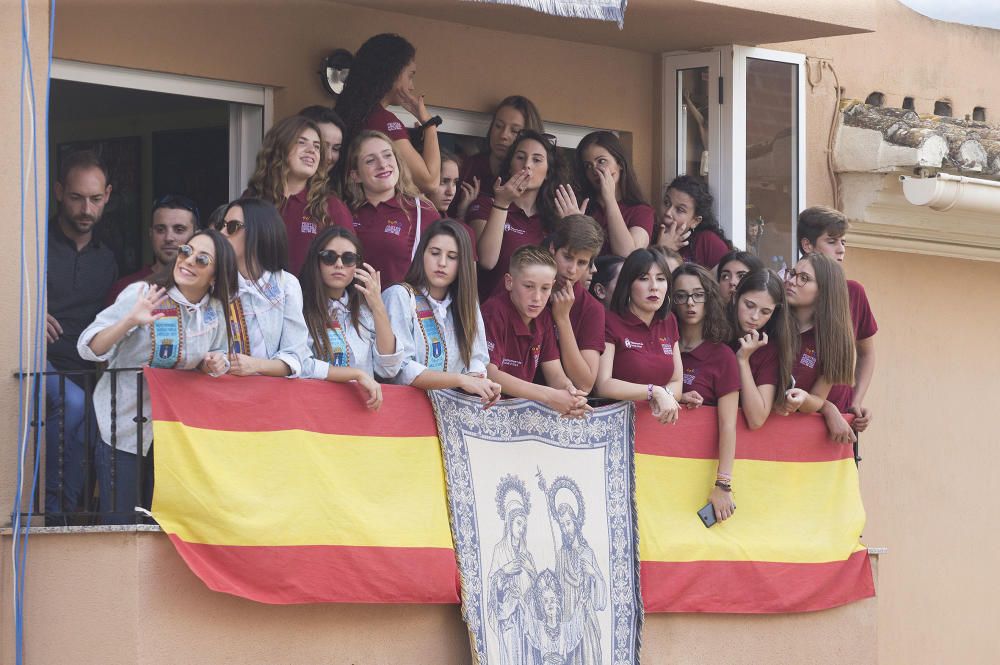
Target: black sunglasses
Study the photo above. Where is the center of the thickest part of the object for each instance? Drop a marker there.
(178, 202)
(231, 226)
(328, 257)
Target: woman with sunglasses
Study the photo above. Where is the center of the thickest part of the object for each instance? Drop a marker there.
(436, 319)
(268, 333)
(642, 358)
(382, 74)
(293, 173)
(765, 341)
(510, 117)
(817, 294)
(732, 268)
(711, 374)
(176, 321)
(522, 210)
(606, 179)
(389, 213)
(349, 330)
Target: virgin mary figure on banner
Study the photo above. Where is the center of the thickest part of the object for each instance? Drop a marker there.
(512, 573)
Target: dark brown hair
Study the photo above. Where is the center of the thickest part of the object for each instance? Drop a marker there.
(577, 233)
(545, 203)
(832, 321)
(714, 326)
(314, 298)
(527, 108)
(817, 220)
(636, 265)
(630, 190)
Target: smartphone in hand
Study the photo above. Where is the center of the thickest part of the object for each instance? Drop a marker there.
(707, 515)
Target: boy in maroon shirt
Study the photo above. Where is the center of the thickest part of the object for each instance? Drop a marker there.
(822, 230)
(520, 339)
(578, 316)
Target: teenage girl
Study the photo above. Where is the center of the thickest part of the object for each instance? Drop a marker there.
(602, 284)
(687, 206)
(733, 267)
(452, 193)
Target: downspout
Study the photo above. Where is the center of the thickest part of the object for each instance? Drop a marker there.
(945, 192)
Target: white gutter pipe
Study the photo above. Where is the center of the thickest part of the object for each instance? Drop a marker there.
(946, 192)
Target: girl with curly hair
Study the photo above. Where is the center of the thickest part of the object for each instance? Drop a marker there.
(382, 75)
(293, 174)
(711, 373)
(687, 206)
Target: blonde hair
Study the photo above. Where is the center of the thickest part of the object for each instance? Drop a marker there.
(531, 255)
(355, 193)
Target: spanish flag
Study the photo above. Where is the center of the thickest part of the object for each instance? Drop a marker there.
(290, 491)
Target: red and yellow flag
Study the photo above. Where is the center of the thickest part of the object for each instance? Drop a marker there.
(290, 491)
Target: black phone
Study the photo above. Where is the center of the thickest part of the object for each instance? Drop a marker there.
(707, 515)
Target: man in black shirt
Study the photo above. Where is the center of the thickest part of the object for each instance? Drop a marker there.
(81, 269)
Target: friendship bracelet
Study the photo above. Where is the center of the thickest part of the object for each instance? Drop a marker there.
(649, 392)
(724, 486)
(500, 208)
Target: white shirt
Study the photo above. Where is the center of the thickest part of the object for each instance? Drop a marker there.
(402, 308)
(272, 308)
(204, 329)
(364, 353)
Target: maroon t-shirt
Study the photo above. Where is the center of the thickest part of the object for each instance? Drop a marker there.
(514, 347)
(643, 354)
(806, 369)
(387, 232)
(302, 228)
(763, 364)
(381, 119)
(707, 249)
(137, 276)
(586, 317)
(639, 215)
(711, 370)
(865, 326)
(519, 230)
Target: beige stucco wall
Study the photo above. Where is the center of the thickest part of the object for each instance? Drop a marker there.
(127, 598)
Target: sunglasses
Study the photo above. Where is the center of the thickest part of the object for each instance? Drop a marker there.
(201, 259)
(328, 257)
(231, 226)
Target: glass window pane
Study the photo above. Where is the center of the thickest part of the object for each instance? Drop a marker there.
(692, 121)
(772, 165)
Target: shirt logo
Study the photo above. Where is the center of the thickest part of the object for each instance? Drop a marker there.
(490, 345)
(513, 229)
(308, 226)
(507, 362)
(393, 227)
(393, 126)
(629, 344)
(271, 290)
(668, 348)
(536, 354)
(210, 316)
(689, 375)
(808, 358)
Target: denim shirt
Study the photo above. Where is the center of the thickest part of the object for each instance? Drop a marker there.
(364, 353)
(273, 314)
(402, 308)
(204, 330)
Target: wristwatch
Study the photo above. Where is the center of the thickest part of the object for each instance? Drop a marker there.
(435, 121)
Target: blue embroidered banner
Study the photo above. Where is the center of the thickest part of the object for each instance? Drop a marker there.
(543, 517)
(603, 10)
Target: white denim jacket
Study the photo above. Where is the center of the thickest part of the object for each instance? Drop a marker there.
(273, 313)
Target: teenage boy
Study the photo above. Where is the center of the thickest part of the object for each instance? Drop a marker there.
(577, 315)
(519, 335)
(822, 230)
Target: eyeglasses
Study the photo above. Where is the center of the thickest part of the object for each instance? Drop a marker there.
(328, 257)
(230, 225)
(682, 297)
(178, 202)
(201, 259)
(798, 277)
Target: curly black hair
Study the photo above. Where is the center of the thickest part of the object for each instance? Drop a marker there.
(376, 66)
(698, 190)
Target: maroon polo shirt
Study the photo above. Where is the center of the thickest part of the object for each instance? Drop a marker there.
(639, 215)
(763, 364)
(586, 317)
(387, 233)
(476, 166)
(805, 369)
(121, 284)
(519, 230)
(706, 249)
(711, 370)
(514, 347)
(865, 326)
(381, 119)
(302, 228)
(643, 354)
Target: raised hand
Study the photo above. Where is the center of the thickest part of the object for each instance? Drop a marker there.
(566, 204)
(505, 193)
(369, 285)
(749, 343)
(562, 302)
(414, 104)
(142, 311)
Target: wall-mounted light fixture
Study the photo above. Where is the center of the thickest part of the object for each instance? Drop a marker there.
(334, 69)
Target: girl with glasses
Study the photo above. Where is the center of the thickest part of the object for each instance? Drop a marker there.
(689, 225)
(389, 214)
(436, 319)
(349, 330)
(293, 173)
(606, 179)
(382, 74)
(642, 358)
(765, 341)
(177, 321)
(522, 210)
(711, 374)
(817, 294)
(268, 332)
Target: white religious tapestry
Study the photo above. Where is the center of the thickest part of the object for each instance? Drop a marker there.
(543, 517)
(603, 10)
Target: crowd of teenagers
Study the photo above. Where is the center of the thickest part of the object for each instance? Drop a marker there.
(361, 252)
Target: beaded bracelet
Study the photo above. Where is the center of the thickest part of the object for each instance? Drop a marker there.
(649, 392)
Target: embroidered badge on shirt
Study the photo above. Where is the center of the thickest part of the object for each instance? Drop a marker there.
(668, 349)
(689, 375)
(271, 289)
(393, 227)
(510, 362)
(536, 354)
(629, 344)
(393, 126)
(808, 358)
(308, 226)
